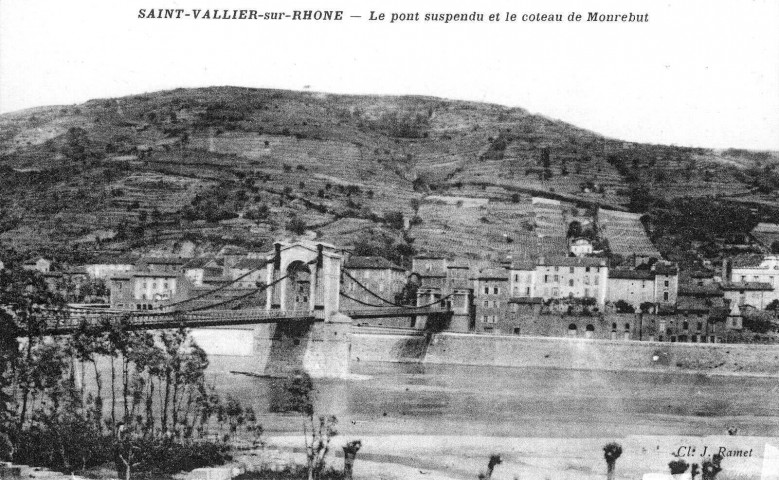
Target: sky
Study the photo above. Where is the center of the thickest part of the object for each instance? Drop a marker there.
(699, 73)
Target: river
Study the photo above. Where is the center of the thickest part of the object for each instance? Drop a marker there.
(418, 399)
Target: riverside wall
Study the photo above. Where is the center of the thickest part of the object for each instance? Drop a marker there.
(564, 353)
(266, 350)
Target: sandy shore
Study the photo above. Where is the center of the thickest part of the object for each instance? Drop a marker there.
(462, 457)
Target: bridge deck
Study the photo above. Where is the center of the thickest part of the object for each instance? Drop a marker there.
(70, 322)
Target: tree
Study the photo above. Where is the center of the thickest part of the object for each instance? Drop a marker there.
(394, 220)
(296, 225)
(494, 461)
(318, 431)
(678, 466)
(611, 452)
(574, 229)
(350, 453)
(711, 467)
(646, 307)
(624, 307)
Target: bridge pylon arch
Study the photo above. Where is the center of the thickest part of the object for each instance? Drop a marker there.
(305, 275)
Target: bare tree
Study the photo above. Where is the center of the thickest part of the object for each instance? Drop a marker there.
(611, 452)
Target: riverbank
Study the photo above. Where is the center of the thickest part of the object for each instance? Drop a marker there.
(382, 345)
(462, 457)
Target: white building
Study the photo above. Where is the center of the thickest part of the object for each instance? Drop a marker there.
(560, 277)
(757, 269)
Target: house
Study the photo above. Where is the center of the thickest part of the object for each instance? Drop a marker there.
(232, 254)
(756, 269)
(148, 290)
(380, 276)
(746, 294)
(250, 271)
(559, 277)
(39, 264)
(442, 279)
(580, 247)
(106, 266)
(657, 285)
(198, 269)
(491, 295)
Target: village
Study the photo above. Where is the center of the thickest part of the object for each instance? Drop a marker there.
(633, 295)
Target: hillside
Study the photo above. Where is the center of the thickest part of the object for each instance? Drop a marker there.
(188, 171)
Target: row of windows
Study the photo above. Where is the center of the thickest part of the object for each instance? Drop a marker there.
(493, 304)
(556, 279)
(495, 290)
(489, 318)
(573, 269)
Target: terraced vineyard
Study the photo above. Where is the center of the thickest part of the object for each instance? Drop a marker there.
(227, 165)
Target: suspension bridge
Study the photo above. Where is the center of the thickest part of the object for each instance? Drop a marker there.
(303, 286)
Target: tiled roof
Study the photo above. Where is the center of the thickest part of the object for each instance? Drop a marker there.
(530, 300)
(632, 274)
(114, 260)
(198, 262)
(250, 264)
(162, 260)
(493, 274)
(558, 261)
(752, 286)
(155, 274)
(371, 263)
(744, 261)
(711, 290)
(766, 227)
(666, 268)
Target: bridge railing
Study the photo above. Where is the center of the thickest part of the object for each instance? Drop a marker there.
(395, 311)
(71, 321)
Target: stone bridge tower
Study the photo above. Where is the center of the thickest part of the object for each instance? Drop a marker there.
(310, 276)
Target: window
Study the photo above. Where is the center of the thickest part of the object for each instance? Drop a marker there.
(665, 296)
(700, 326)
(546, 278)
(570, 283)
(685, 326)
(556, 269)
(486, 303)
(557, 278)
(484, 319)
(486, 290)
(496, 290)
(516, 277)
(570, 270)
(587, 269)
(667, 283)
(516, 330)
(527, 291)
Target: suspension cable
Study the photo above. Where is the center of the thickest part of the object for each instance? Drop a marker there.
(370, 291)
(403, 306)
